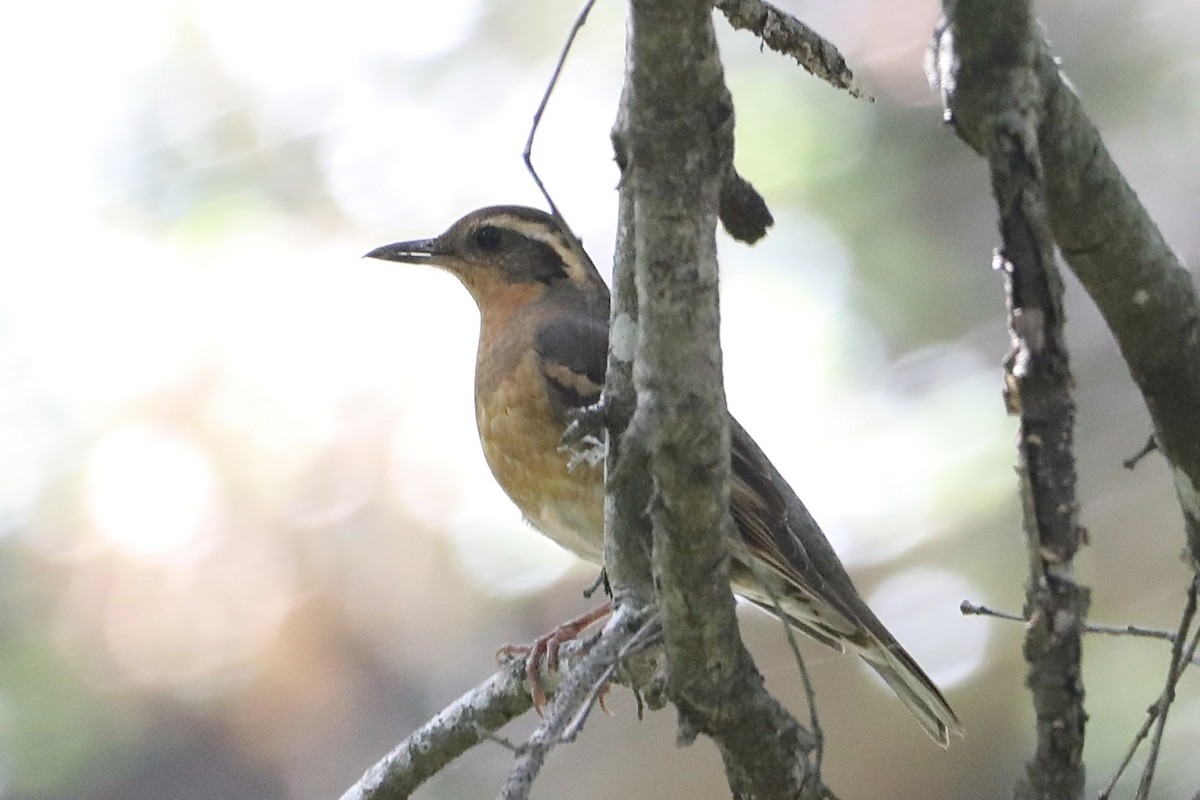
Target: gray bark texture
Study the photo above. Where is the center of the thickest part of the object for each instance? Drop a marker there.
(674, 141)
(1147, 297)
(1055, 184)
(459, 727)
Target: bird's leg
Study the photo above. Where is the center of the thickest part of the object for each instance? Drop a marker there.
(546, 648)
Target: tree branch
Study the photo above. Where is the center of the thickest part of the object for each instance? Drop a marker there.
(1156, 715)
(1141, 287)
(967, 608)
(999, 84)
(460, 726)
(1105, 234)
(628, 630)
(787, 35)
(627, 651)
(675, 143)
(627, 489)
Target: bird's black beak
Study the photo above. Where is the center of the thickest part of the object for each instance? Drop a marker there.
(415, 252)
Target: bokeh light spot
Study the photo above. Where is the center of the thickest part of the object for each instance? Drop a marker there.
(149, 490)
(920, 607)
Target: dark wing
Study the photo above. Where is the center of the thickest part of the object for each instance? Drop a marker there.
(778, 531)
(816, 595)
(574, 354)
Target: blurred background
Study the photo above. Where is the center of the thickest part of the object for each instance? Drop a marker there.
(247, 538)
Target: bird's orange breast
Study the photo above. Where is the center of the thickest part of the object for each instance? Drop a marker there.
(521, 437)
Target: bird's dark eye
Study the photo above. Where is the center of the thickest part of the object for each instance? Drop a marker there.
(488, 237)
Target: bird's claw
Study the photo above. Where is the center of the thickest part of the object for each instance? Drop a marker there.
(588, 451)
(586, 421)
(583, 438)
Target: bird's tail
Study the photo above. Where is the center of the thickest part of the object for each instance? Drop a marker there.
(913, 687)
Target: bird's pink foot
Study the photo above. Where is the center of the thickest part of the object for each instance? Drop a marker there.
(544, 650)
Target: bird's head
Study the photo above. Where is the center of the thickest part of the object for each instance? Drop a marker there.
(499, 249)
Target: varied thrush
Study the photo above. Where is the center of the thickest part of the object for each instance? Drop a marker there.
(542, 354)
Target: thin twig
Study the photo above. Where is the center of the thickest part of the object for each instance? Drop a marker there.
(967, 608)
(1158, 709)
(495, 738)
(1138, 738)
(527, 153)
(810, 692)
(810, 697)
(649, 634)
(1168, 696)
(1149, 447)
(600, 582)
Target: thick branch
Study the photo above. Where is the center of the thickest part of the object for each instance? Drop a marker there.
(679, 145)
(627, 491)
(1143, 290)
(1039, 389)
(1146, 295)
(1003, 91)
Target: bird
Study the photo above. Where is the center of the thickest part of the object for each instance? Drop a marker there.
(541, 359)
